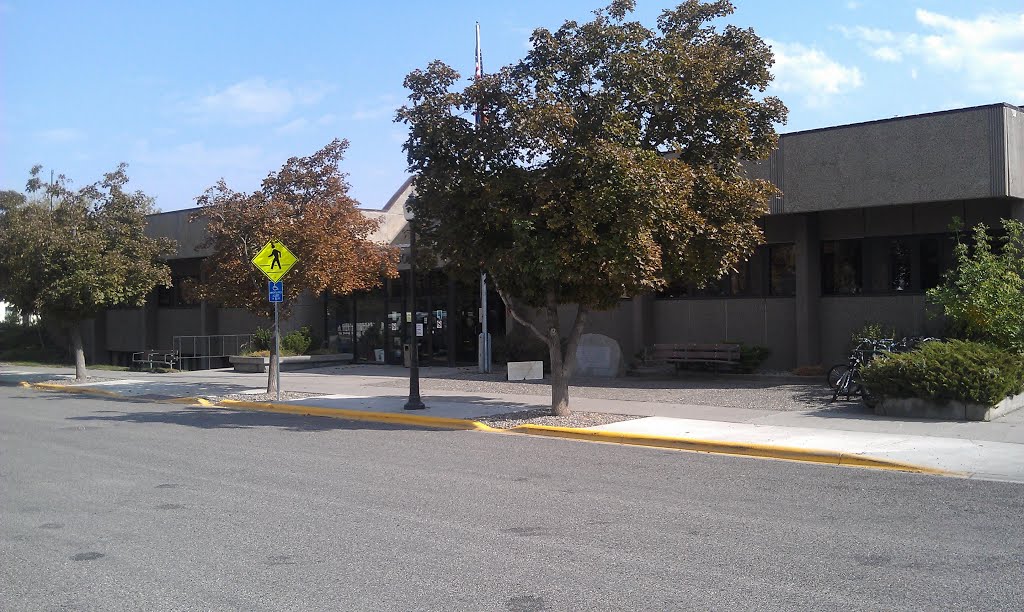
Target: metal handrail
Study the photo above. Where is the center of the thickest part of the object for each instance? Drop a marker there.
(201, 349)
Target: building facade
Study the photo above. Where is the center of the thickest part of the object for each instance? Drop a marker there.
(861, 230)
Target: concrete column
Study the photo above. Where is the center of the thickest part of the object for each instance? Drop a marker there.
(100, 354)
(808, 290)
(149, 337)
(642, 323)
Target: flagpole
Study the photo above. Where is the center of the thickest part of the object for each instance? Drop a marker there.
(485, 337)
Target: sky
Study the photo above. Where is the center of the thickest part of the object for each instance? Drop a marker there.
(187, 93)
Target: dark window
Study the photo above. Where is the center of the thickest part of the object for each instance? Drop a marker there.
(900, 258)
(782, 276)
(841, 267)
(931, 262)
(174, 296)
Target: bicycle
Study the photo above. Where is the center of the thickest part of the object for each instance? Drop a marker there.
(844, 379)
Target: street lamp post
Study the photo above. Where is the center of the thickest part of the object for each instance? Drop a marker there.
(414, 403)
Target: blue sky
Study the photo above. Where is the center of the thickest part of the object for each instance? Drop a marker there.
(189, 92)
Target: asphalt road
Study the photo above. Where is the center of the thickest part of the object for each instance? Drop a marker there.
(108, 504)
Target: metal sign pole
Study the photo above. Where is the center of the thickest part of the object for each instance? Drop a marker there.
(277, 351)
(485, 345)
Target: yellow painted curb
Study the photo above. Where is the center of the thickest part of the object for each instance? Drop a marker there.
(71, 389)
(359, 415)
(770, 451)
(105, 393)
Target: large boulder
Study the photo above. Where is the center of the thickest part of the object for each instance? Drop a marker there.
(598, 355)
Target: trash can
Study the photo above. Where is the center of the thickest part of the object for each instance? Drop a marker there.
(407, 352)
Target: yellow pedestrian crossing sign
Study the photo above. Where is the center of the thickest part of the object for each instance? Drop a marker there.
(274, 260)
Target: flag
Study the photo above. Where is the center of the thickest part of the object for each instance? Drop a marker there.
(479, 73)
(479, 56)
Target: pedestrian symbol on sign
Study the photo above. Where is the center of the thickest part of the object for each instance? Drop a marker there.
(274, 260)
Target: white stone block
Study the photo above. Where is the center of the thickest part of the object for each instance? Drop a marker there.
(526, 370)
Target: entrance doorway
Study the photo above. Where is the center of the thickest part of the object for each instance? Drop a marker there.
(377, 322)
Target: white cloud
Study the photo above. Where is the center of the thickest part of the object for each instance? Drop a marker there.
(887, 54)
(257, 101)
(199, 155)
(808, 72)
(293, 126)
(381, 107)
(59, 135)
(987, 51)
(370, 114)
(853, 5)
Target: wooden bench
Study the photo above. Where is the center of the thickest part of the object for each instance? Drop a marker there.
(153, 358)
(683, 354)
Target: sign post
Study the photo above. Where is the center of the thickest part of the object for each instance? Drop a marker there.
(275, 260)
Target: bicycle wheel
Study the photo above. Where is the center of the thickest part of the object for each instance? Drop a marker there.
(847, 385)
(835, 374)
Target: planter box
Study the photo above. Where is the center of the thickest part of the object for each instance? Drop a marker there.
(951, 410)
(298, 362)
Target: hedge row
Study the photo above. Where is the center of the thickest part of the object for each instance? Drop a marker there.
(954, 370)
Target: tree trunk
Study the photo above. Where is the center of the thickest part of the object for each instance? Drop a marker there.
(78, 350)
(562, 363)
(272, 367)
(559, 380)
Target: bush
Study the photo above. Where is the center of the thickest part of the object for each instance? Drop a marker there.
(295, 343)
(262, 339)
(955, 370)
(872, 330)
(751, 356)
(982, 295)
(32, 343)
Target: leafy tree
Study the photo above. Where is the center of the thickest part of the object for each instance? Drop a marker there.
(306, 206)
(70, 257)
(17, 281)
(607, 164)
(983, 295)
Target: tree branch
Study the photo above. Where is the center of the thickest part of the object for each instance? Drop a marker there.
(513, 310)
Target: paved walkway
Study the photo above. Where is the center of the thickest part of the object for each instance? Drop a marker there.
(992, 450)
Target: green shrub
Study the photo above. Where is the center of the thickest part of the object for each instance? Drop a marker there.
(261, 339)
(955, 370)
(981, 296)
(752, 356)
(872, 330)
(296, 342)
(29, 344)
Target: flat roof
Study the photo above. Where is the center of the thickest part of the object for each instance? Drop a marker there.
(901, 118)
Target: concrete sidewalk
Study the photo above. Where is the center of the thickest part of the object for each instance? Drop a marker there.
(993, 450)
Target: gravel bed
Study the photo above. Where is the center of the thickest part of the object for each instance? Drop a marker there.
(725, 392)
(509, 420)
(267, 397)
(72, 381)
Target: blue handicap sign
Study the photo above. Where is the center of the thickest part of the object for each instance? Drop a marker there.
(276, 291)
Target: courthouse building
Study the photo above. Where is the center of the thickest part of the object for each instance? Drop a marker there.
(860, 232)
